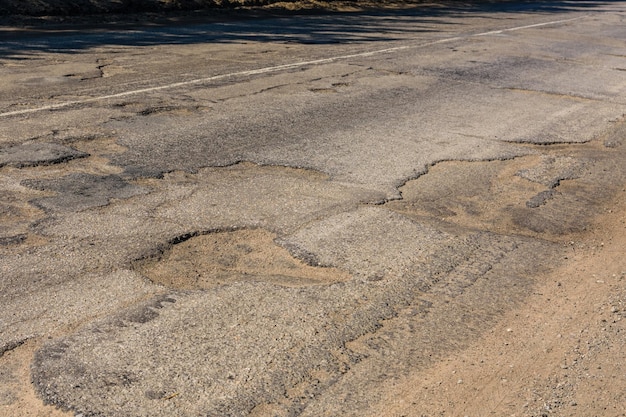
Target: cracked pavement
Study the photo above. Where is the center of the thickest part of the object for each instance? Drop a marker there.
(182, 234)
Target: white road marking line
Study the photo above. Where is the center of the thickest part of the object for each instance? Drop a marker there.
(276, 68)
(536, 25)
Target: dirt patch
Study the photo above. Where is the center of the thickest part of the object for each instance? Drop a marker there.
(17, 396)
(535, 196)
(479, 195)
(213, 259)
(16, 214)
(563, 353)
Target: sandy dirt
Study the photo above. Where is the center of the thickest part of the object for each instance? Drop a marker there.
(563, 353)
(224, 257)
(17, 396)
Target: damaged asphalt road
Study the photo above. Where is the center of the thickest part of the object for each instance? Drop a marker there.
(223, 220)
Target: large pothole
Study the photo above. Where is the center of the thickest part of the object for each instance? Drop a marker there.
(537, 196)
(219, 258)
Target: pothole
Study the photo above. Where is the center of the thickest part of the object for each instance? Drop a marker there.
(172, 110)
(219, 258)
(32, 154)
(159, 108)
(523, 196)
(471, 194)
(323, 90)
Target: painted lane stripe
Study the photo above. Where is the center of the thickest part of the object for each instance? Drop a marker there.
(536, 25)
(276, 68)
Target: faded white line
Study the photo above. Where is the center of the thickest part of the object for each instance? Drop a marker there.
(536, 25)
(272, 69)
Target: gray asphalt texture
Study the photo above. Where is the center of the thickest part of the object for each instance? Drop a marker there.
(443, 176)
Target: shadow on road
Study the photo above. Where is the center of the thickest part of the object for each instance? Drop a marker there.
(251, 26)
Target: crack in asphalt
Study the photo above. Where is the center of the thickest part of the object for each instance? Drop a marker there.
(577, 97)
(11, 345)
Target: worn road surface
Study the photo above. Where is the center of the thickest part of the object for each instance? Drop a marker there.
(316, 215)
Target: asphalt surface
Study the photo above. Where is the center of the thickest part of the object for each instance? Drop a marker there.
(279, 216)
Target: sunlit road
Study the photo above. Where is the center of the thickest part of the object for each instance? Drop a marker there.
(280, 216)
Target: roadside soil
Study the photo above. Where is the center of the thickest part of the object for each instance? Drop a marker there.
(563, 353)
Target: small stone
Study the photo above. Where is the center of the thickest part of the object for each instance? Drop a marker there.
(460, 381)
